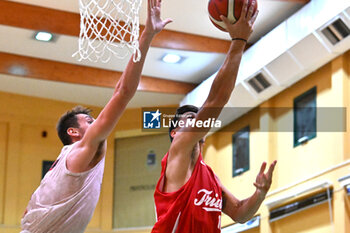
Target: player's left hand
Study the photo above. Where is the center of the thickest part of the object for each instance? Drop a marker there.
(154, 22)
(264, 180)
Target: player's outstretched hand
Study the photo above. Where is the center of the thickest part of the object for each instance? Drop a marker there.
(154, 23)
(264, 180)
(243, 27)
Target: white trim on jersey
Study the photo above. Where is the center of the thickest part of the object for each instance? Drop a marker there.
(176, 223)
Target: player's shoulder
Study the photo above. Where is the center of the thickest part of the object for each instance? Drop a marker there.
(65, 149)
(73, 149)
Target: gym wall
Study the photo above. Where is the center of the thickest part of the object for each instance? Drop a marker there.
(326, 150)
(22, 148)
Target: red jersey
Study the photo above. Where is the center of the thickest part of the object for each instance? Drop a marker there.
(194, 208)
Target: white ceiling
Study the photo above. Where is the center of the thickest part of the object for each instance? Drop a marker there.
(190, 16)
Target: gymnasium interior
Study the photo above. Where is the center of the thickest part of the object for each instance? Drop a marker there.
(291, 104)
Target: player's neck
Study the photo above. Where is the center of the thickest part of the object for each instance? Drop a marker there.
(195, 154)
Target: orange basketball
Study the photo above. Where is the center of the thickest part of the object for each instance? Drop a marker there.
(228, 8)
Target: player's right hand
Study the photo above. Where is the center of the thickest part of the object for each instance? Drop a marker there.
(243, 27)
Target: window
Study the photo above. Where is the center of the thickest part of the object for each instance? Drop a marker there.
(301, 204)
(305, 117)
(240, 146)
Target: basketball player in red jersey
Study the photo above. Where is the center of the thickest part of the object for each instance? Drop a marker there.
(189, 197)
(68, 194)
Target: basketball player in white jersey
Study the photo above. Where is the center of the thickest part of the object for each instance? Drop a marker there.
(68, 194)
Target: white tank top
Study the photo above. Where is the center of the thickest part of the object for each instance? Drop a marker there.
(65, 201)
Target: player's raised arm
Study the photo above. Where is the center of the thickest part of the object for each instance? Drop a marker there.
(223, 83)
(244, 210)
(124, 91)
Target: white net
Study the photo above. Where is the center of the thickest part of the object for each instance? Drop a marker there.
(107, 28)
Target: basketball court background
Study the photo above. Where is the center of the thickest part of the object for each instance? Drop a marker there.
(39, 81)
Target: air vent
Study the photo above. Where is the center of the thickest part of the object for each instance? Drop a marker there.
(336, 31)
(297, 206)
(259, 83)
(237, 227)
(345, 182)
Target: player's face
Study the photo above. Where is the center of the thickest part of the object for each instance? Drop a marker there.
(84, 121)
(188, 116)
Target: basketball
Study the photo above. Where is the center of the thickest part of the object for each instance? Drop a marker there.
(231, 9)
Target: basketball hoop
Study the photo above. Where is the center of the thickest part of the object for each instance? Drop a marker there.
(108, 28)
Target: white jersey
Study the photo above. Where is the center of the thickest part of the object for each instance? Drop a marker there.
(65, 201)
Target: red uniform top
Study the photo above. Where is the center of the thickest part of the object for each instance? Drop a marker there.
(194, 208)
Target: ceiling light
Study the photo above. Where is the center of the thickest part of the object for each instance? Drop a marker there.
(43, 36)
(18, 70)
(172, 58)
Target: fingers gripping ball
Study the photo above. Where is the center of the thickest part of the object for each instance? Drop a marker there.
(231, 9)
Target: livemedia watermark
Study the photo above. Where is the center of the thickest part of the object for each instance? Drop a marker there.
(281, 119)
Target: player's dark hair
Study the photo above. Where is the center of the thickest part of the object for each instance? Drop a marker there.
(179, 112)
(69, 120)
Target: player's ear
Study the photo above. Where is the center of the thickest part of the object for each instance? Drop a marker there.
(72, 132)
(172, 133)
